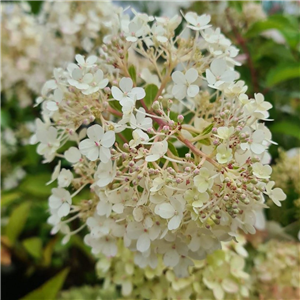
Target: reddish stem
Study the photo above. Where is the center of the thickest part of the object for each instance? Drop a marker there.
(114, 111)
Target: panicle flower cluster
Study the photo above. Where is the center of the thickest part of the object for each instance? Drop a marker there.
(286, 170)
(19, 46)
(10, 173)
(32, 45)
(175, 154)
(276, 270)
(220, 276)
(243, 17)
(79, 24)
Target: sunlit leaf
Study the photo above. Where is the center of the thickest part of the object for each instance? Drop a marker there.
(282, 73)
(50, 289)
(151, 91)
(132, 73)
(48, 251)
(8, 198)
(17, 221)
(287, 128)
(33, 246)
(36, 185)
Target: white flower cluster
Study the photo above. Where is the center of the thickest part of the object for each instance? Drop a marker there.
(276, 270)
(175, 157)
(80, 24)
(32, 45)
(19, 46)
(221, 276)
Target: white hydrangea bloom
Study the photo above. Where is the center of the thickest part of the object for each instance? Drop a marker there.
(169, 186)
(183, 84)
(98, 144)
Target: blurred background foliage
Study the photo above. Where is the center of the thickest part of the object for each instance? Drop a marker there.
(269, 46)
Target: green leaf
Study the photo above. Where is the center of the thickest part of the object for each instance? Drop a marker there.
(151, 91)
(286, 127)
(17, 221)
(36, 185)
(50, 289)
(33, 246)
(281, 73)
(10, 197)
(48, 251)
(282, 23)
(5, 118)
(132, 73)
(279, 22)
(207, 129)
(172, 148)
(205, 142)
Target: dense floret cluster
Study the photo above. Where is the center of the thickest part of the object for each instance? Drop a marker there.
(33, 45)
(159, 128)
(221, 276)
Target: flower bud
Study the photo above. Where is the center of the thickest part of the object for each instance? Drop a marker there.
(155, 105)
(180, 119)
(166, 129)
(107, 90)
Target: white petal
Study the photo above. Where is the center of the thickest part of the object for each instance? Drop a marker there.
(139, 93)
(86, 145)
(95, 132)
(193, 90)
(98, 76)
(218, 291)
(257, 148)
(104, 208)
(104, 181)
(230, 286)
(174, 222)
(72, 155)
(143, 242)
(258, 136)
(52, 106)
(87, 78)
(118, 208)
(218, 67)
(126, 288)
(93, 153)
(178, 77)
(191, 17)
(126, 84)
(64, 210)
(91, 59)
(191, 75)
(179, 91)
(165, 210)
(105, 154)
(171, 258)
(152, 157)
(134, 230)
(103, 83)
(228, 76)
(80, 59)
(54, 202)
(210, 77)
(117, 93)
(108, 139)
